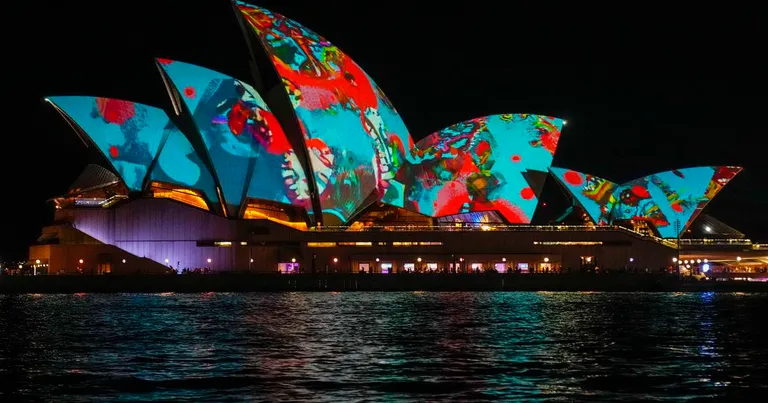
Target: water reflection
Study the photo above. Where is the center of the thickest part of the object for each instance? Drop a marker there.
(381, 346)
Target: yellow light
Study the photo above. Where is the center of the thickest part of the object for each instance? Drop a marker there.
(293, 260)
(377, 259)
(37, 261)
(418, 259)
(335, 260)
(81, 261)
(123, 260)
(738, 258)
(674, 260)
(546, 260)
(503, 259)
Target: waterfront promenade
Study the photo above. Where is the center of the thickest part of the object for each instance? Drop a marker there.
(365, 282)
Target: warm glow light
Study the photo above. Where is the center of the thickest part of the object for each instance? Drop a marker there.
(674, 260)
(698, 260)
(685, 261)
(738, 258)
(37, 261)
(546, 260)
(123, 260)
(418, 259)
(293, 260)
(377, 259)
(335, 260)
(705, 260)
(209, 260)
(251, 260)
(461, 259)
(81, 261)
(503, 259)
(20, 266)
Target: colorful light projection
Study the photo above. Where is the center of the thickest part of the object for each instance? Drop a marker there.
(593, 193)
(243, 138)
(127, 133)
(483, 164)
(355, 138)
(668, 197)
(179, 164)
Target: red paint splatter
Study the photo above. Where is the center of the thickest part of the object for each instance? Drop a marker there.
(516, 158)
(483, 148)
(114, 110)
(640, 191)
(190, 92)
(527, 193)
(236, 118)
(279, 143)
(573, 178)
(677, 207)
(450, 198)
(164, 61)
(114, 152)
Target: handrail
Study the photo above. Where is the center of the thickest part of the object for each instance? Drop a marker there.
(715, 241)
(496, 228)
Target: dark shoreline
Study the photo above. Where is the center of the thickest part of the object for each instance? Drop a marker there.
(364, 282)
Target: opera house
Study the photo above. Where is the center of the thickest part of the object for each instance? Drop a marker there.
(307, 167)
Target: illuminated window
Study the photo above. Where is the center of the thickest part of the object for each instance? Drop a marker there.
(256, 212)
(187, 196)
(416, 243)
(223, 243)
(321, 244)
(355, 243)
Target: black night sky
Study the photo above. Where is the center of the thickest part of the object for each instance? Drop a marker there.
(643, 91)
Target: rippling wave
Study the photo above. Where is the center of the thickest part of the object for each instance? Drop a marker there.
(383, 347)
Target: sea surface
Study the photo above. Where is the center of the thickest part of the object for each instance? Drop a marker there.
(384, 347)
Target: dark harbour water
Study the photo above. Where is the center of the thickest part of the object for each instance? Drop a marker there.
(384, 347)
